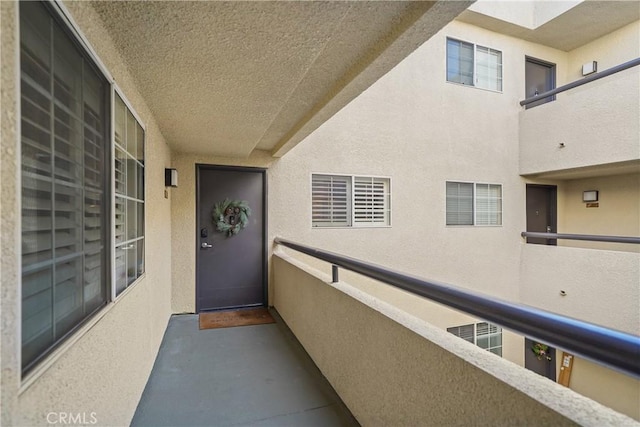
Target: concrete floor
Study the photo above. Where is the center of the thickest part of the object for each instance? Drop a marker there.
(242, 376)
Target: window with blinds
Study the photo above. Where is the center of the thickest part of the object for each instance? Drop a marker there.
(473, 204)
(488, 204)
(65, 153)
(350, 201)
(459, 203)
(331, 201)
(371, 204)
(129, 196)
(474, 65)
(485, 335)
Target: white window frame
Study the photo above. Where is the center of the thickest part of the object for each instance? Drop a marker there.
(475, 65)
(115, 90)
(351, 208)
(475, 209)
(489, 348)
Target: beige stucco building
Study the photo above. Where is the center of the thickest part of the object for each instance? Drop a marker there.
(419, 98)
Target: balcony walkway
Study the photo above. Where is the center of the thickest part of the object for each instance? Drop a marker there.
(242, 376)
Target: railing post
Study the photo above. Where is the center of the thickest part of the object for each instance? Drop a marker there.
(334, 274)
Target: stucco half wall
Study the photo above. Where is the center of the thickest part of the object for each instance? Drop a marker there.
(391, 368)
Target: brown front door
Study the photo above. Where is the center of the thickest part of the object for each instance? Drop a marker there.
(230, 268)
(541, 212)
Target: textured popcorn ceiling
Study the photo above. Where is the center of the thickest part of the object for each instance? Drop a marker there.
(225, 78)
(577, 26)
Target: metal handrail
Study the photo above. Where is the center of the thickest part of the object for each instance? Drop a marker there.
(587, 237)
(615, 349)
(588, 79)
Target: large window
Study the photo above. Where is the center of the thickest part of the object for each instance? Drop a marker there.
(485, 335)
(70, 180)
(65, 198)
(474, 65)
(129, 197)
(350, 201)
(473, 203)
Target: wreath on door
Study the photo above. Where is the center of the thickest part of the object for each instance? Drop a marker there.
(231, 216)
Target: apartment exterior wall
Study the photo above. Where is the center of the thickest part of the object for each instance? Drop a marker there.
(422, 131)
(103, 368)
(616, 214)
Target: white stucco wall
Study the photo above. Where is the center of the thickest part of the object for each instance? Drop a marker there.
(610, 50)
(103, 368)
(617, 213)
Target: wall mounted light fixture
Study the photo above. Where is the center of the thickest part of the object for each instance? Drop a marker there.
(590, 196)
(170, 177)
(589, 68)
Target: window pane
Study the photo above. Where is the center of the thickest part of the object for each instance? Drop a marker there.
(120, 121)
(129, 209)
(132, 262)
(371, 201)
(131, 145)
(331, 201)
(488, 204)
(140, 257)
(488, 68)
(63, 137)
(459, 203)
(459, 62)
(132, 220)
(121, 269)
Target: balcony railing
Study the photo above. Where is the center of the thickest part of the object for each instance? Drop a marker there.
(588, 79)
(585, 237)
(592, 123)
(606, 346)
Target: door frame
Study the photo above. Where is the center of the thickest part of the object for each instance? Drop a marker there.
(543, 63)
(196, 231)
(553, 208)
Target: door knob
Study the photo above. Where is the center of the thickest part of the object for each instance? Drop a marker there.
(548, 229)
(206, 245)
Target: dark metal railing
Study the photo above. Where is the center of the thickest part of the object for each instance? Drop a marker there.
(613, 348)
(588, 79)
(587, 237)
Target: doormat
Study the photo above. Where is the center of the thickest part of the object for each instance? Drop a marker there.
(229, 319)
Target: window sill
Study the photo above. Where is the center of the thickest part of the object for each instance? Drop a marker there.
(350, 227)
(474, 87)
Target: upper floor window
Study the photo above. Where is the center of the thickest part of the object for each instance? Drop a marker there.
(350, 201)
(474, 65)
(473, 203)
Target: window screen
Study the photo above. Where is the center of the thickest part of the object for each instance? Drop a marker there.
(64, 144)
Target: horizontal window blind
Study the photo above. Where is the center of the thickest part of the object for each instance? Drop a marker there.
(371, 203)
(64, 123)
(485, 335)
(488, 204)
(331, 197)
(459, 203)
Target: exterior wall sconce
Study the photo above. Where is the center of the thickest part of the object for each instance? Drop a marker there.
(170, 177)
(589, 68)
(590, 196)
